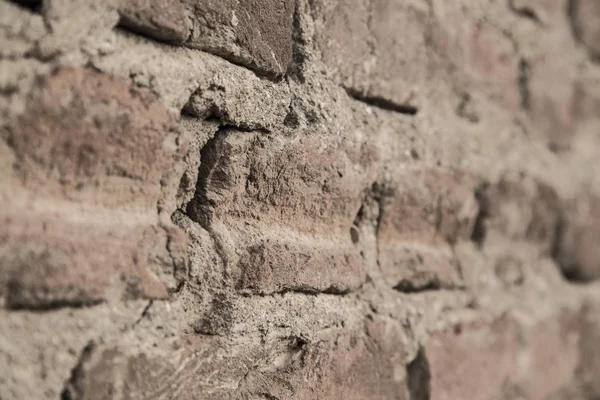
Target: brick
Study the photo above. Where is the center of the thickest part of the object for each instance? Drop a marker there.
(505, 358)
(576, 249)
(168, 21)
(480, 56)
(255, 33)
(352, 365)
(375, 48)
(349, 366)
(428, 212)
(81, 214)
(271, 267)
(522, 209)
(472, 361)
(585, 15)
(136, 373)
(306, 196)
(550, 354)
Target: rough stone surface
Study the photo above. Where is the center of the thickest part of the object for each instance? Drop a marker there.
(299, 199)
(255, 33)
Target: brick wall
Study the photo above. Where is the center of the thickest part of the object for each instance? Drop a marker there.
(300, 199)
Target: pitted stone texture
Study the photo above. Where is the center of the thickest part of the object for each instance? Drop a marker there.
(254, 33)
(426, 213)
(375, 48)
(282, 206)
(91, 155)
(351, 365)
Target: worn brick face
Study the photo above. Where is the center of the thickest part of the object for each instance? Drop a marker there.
(481, 56)
(376, 48)
(473, 361)
(505, 358)
(95, 147)
(255, 33)
(249, 181)
(429, 212)
(299, 199)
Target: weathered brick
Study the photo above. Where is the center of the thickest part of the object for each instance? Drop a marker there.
(429, 211)
(576, 247)
(521, 209)
(351, 365)
(163, 20)
(505, 358)
(472, 361)
(275, 266)
(550, 354)
(254, 33)
(80, 212)
(375, 48)
(561, 104)
(481, 56)
(348, 366)
(307, 196)
(134, 373)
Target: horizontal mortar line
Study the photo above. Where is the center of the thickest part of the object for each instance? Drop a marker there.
(54, 306)
(381, 102)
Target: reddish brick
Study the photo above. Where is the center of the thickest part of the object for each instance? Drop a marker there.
(281, 207)
(486, 58)
(502, 358)
(347, 366)
(375, 48)
(351, 365)
(254, 33)
(429, 212)
(163, 20)
(550, 353)
(81, 214)
(271, 267)
(473, 361)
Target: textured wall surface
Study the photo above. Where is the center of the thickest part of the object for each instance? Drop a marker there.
(300, 199)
